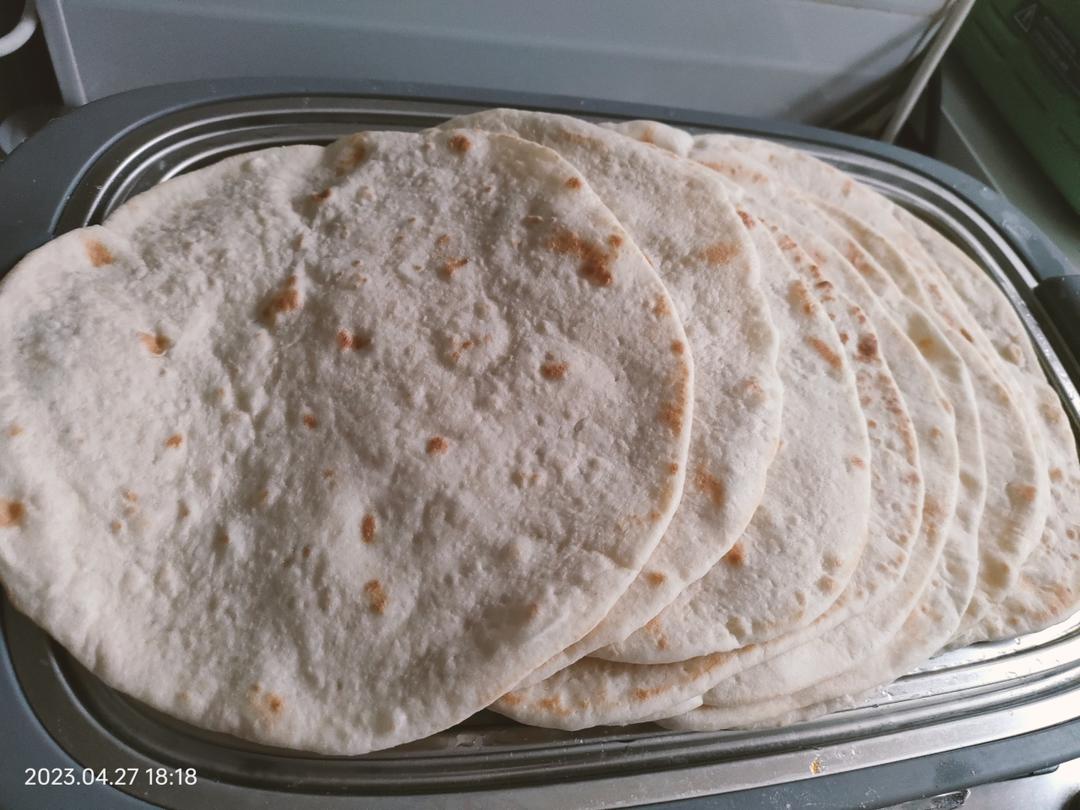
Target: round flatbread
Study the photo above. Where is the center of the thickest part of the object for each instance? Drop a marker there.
(1018, 491)
(329, 448)
(804, 658)
(807, 536)
(679, 215)
(1048, 588)
(597, 692)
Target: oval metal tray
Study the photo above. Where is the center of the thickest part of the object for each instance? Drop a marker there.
(962, 698)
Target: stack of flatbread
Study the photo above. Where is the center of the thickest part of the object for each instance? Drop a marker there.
(330, 448)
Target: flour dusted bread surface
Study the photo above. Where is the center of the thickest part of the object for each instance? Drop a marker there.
(328, 448)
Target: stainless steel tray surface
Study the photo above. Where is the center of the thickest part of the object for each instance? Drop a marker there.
(984, 693)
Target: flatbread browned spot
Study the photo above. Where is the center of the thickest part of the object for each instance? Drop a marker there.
(129, 496)
(222, 538)
(11, 513)
(721, 252)
(710, 485)
(736, 555)
(1056, 474)
(747, 219)
(1023, 492)
(98, 254)
(274, 703)
(305, 552)
(310, 420)
(550, 370)
(752, 386)
(867, 347)
(856, 258)
(678, 347)
(520, 479)
(655, 578)
(673, 468)
(322, 196)
(182, 510)
(871, 423)
(353, 156)
(452, 266)
(367, 528)
(660, 307)
(640, 694)
(716, 166)
(553, 705)
(328, 473)
(827, 354)
(671, 414)
(511, 699)
(802, 297)
(595, 262)
(856, 461)
(344, 339)
(436, 446)
(174, 441)
(115, 526)
(1050, 414)
(459, 143)
(573, 182)
(14, 430)
(455, 355)
(376, 596)
(286, 300)
(442, 240)
(580, 138)
(157, 345)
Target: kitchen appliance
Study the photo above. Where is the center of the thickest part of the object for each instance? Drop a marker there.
(970, 716)
(808, 60)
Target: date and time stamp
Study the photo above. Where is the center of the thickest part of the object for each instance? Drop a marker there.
(112, 777)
